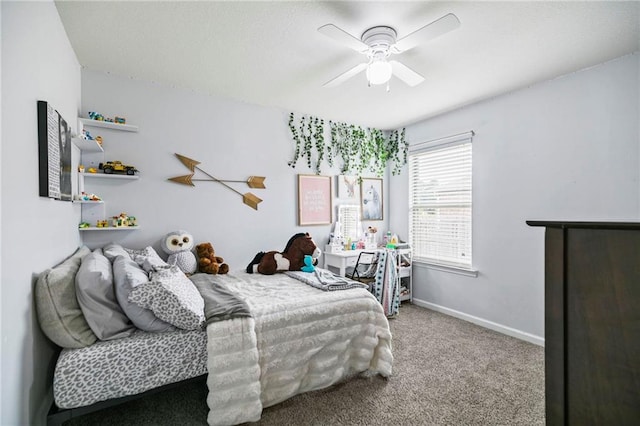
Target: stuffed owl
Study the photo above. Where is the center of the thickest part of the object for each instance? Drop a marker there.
(178, 245)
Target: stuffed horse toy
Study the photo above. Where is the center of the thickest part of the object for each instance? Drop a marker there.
(292, 258)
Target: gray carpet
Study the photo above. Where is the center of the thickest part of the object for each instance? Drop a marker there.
(446, 372)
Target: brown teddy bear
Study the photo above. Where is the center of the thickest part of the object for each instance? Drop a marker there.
(208, 262)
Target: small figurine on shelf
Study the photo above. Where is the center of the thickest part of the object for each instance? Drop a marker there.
(120, 120)
(92, 197)
(92, 170)
(101, 223)
(110, 167)
(86, 135)
(99, 140)
(96, 116)
(83, 225)
(81, 168)
(123, 220)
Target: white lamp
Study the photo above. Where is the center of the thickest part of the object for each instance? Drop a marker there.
(379, 71)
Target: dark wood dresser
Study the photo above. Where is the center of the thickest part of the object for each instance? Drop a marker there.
(592, 323)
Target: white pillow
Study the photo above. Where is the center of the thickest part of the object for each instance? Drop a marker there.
(113, 250)
(172, 297)
(147, 258)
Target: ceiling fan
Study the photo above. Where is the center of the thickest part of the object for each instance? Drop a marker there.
(379, 43)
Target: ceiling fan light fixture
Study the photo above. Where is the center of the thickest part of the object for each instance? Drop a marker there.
(379, 72)
(379, 43)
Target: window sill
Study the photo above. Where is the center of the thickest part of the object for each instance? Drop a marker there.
(451, 269)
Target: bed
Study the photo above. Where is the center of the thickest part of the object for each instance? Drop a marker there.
(266, 339)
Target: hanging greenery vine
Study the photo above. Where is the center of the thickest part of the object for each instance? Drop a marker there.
(398, 145)
(296, 140)
(308, 138)
(360, 149)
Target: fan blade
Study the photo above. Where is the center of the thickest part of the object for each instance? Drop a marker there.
(346, 75)
(406, 74)
(427, 33)
(343, 37)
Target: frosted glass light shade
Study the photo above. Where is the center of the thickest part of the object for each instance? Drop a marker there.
(378, 72)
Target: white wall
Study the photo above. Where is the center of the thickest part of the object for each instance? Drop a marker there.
(566, 149)
(1, 339)
(231, 139)
(37, 64)
(546, 152)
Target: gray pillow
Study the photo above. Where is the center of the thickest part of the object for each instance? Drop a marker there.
(97, 298)
(172, 297)
(113, 250)
(127, 275)
(59, 313)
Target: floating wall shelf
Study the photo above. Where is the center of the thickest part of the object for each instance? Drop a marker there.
(109, 125)
(87, 145)
(108, 176)
(111, 228)
(91, 214)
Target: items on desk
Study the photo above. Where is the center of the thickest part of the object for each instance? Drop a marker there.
(370, 242)
(392, 242)
(335, 244)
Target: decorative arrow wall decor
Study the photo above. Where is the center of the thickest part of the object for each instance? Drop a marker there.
(248, 198)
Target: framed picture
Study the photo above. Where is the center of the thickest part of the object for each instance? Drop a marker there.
(54, 153)
(371, 199)
(314, 200)
(348, 188)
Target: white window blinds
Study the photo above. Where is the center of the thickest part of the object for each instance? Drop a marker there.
(440, 201)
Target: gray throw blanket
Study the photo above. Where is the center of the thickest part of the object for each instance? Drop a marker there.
(325, 280)
(219, 303)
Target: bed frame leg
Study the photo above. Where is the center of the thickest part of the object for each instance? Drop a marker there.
(56, 417)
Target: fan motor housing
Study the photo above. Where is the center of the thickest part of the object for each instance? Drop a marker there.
(379, 39)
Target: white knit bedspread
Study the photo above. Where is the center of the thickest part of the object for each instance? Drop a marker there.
(299, 339)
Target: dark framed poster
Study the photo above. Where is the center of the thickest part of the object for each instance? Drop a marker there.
(54, 153)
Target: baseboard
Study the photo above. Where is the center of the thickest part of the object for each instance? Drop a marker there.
(531, 338)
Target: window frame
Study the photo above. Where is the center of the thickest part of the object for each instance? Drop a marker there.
(439, 145)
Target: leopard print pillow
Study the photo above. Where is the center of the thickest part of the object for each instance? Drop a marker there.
(172, 297)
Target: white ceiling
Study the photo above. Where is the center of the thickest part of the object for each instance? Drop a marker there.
(270, 53)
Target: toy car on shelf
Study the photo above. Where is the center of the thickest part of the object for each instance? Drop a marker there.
(111, 167)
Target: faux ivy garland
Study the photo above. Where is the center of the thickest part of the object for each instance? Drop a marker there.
(308, 135)
(359, 149)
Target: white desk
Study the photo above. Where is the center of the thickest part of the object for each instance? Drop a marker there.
(346, 258)
(343, 259)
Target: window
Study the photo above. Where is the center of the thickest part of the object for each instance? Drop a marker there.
(440, 201)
